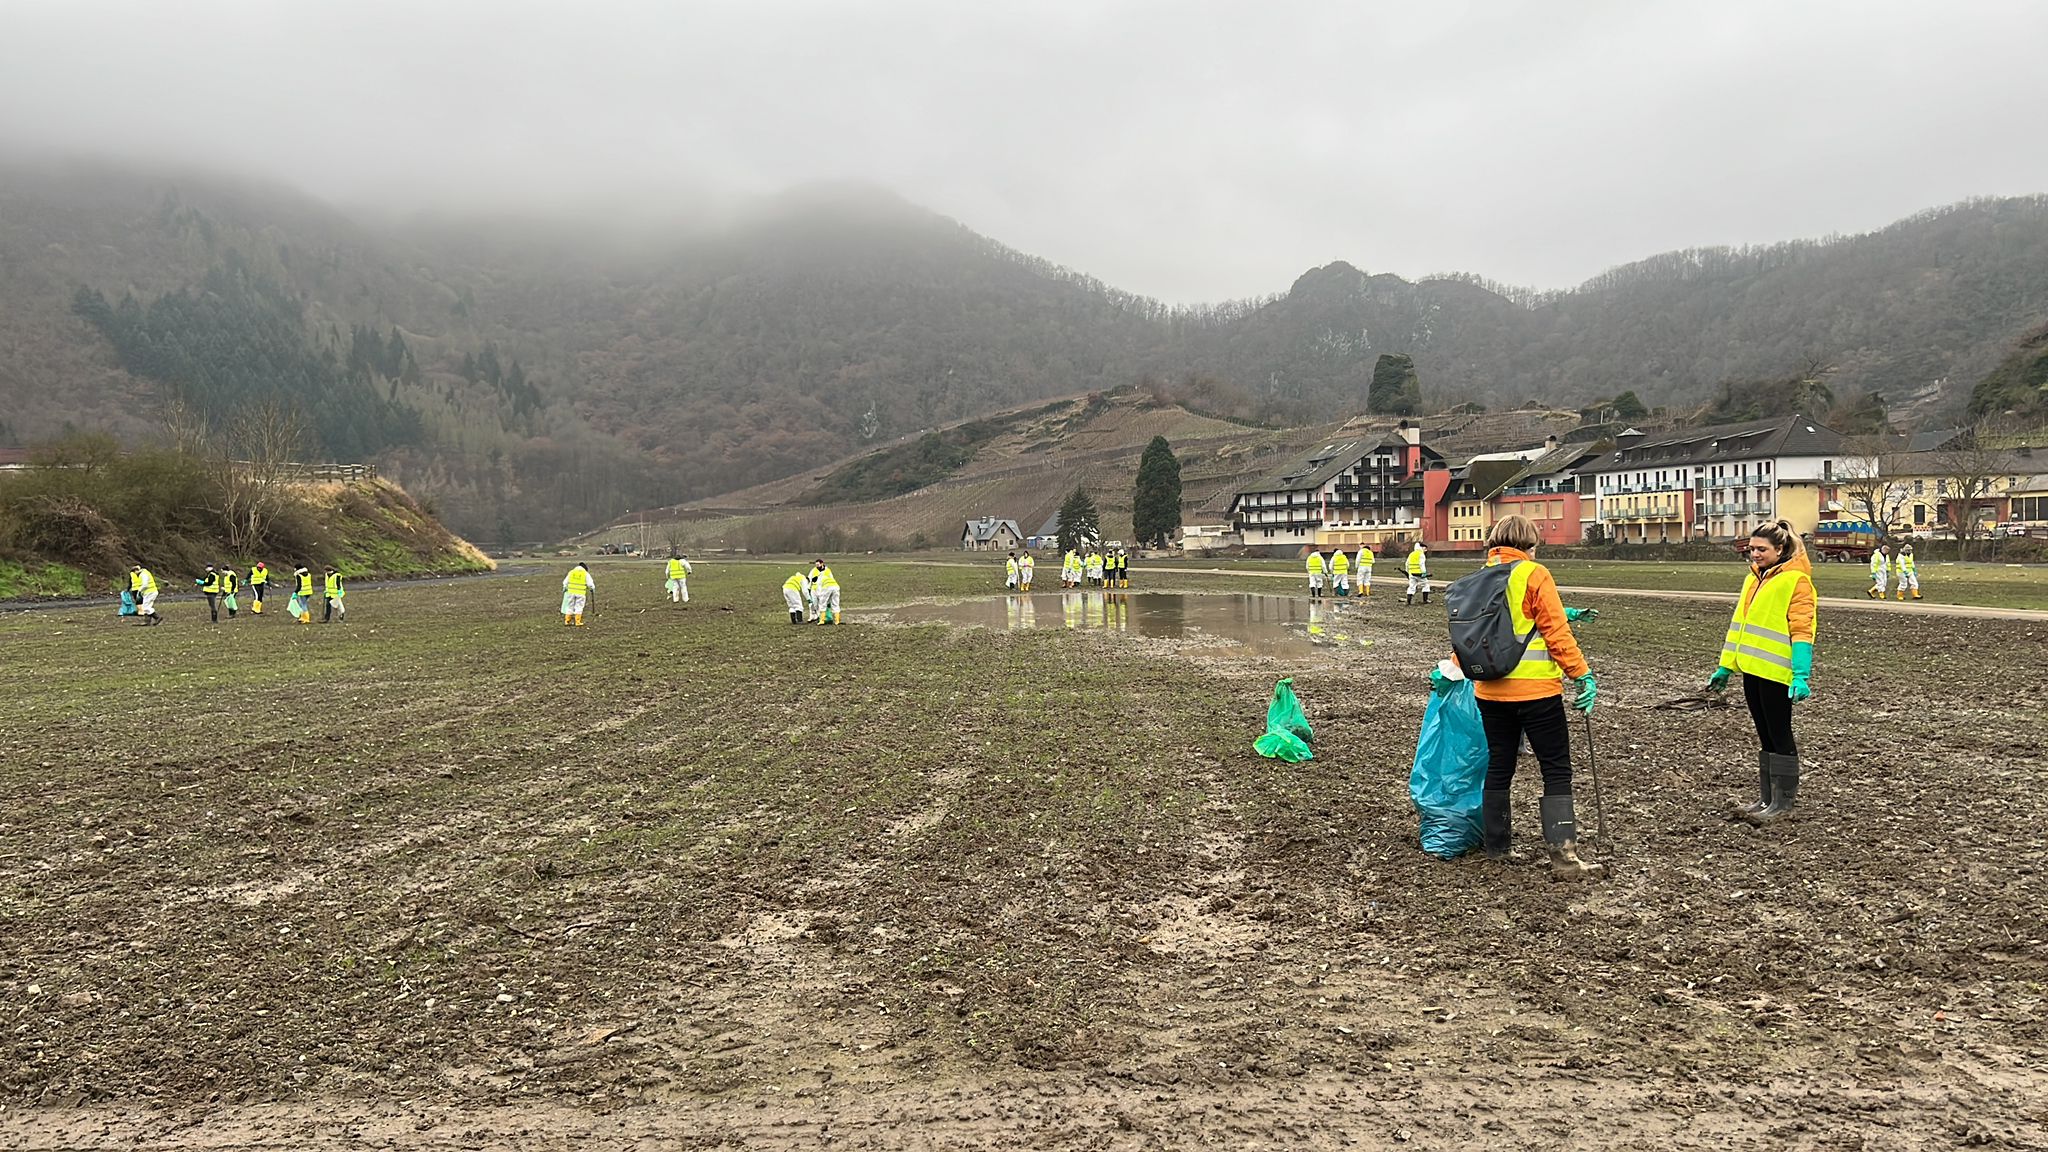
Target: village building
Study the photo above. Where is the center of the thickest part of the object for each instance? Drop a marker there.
(1718, 482)
(989, 534)
(1370, 489)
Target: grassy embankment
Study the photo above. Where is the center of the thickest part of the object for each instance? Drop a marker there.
(72, 532)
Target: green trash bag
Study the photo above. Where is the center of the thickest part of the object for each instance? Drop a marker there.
(1287, 732)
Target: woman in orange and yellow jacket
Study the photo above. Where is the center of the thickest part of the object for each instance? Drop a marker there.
(1530, 701)
(1770, 641)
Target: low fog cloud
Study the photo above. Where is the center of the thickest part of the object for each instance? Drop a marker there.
(1192, 151)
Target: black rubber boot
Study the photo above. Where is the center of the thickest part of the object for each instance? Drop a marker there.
(1763, 788)
(1784, 791)
(1496, 831)
(796, 617)
(1425, 597)
(1409, 600)
(1561, 833)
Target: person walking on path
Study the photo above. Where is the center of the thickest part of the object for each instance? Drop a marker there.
(142, 584)
(209, 584)
(1340, 571)
(332, 593)
(796, 594)
(1529, 701)
(678, 578)
(302, 598)
(1905, 573)
(1880, 570)
(1770, 641)
(1418, 572)
(259, 580)
(1024, 572)
(1315, 574)
(825, 591)
(576, 589)
(1363, 564)
(229, 581)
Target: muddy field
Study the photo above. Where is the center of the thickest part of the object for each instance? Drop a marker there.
(454, 876)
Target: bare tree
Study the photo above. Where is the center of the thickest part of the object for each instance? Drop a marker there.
(1870, 483)
(252, 463)
(1967, 476)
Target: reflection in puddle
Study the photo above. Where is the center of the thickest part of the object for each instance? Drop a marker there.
(1265, 625)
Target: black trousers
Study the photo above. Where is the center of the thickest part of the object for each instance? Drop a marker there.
(1770, 707)
(213, 605)
(1543, 722)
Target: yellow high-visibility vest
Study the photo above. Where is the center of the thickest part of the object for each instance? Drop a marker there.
(1759, 640)
(1340, 564)
(1418, 562)
(211, 584)
(259, 575)
(579, 581)
(227, 581)
(333, 586)
(305, 584)
(1536, 663)
(675, 569)
(1315, 563)
(824, 578)
(142, 582)
(794, 583)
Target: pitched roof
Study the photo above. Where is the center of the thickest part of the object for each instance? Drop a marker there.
(1562, 458)
(1316, 468)
(987, 527)
(1793, 435)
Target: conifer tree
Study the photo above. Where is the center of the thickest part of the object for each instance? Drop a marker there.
(1155, 509)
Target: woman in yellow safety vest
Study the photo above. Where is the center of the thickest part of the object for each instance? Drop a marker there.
(1529, 701)
(1770, 641)
(229, 579)
(332, 592)
(1905, 572)
(576, 589)
(825, 591)
(1340, 571)
(678, 582)
(259, 580)
(1315, 574)
(1364, 566)
(302, 599)
(1418, 572)
(210, 585)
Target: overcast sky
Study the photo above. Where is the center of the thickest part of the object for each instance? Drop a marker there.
(1192, 151)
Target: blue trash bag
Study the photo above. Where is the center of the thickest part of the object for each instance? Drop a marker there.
(128, 607)
(1450, 773)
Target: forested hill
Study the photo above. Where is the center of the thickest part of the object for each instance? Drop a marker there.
(531, 381)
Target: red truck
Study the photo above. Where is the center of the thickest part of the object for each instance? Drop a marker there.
(1844, 540)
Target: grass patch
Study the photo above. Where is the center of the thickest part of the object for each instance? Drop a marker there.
(38, 581)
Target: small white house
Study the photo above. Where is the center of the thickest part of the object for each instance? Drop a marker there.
(989, 534)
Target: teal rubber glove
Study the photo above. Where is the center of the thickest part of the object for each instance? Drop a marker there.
(1718, 682)
(1802, 667)
(1439, 684)
(1574, 615)
(1588, 692)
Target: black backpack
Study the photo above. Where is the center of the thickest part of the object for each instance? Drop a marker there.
(1482, 626)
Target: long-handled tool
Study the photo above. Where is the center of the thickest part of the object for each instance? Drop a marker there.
(1599, 796)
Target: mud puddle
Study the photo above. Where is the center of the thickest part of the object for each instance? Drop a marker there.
(1239, 623)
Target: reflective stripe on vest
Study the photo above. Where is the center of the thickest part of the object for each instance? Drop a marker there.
(333, 585)
(259, 575)
(824, 578)
(1536, 663)
(579, 581)
(1759, 640)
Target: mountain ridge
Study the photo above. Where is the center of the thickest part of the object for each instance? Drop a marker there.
(800, 329)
